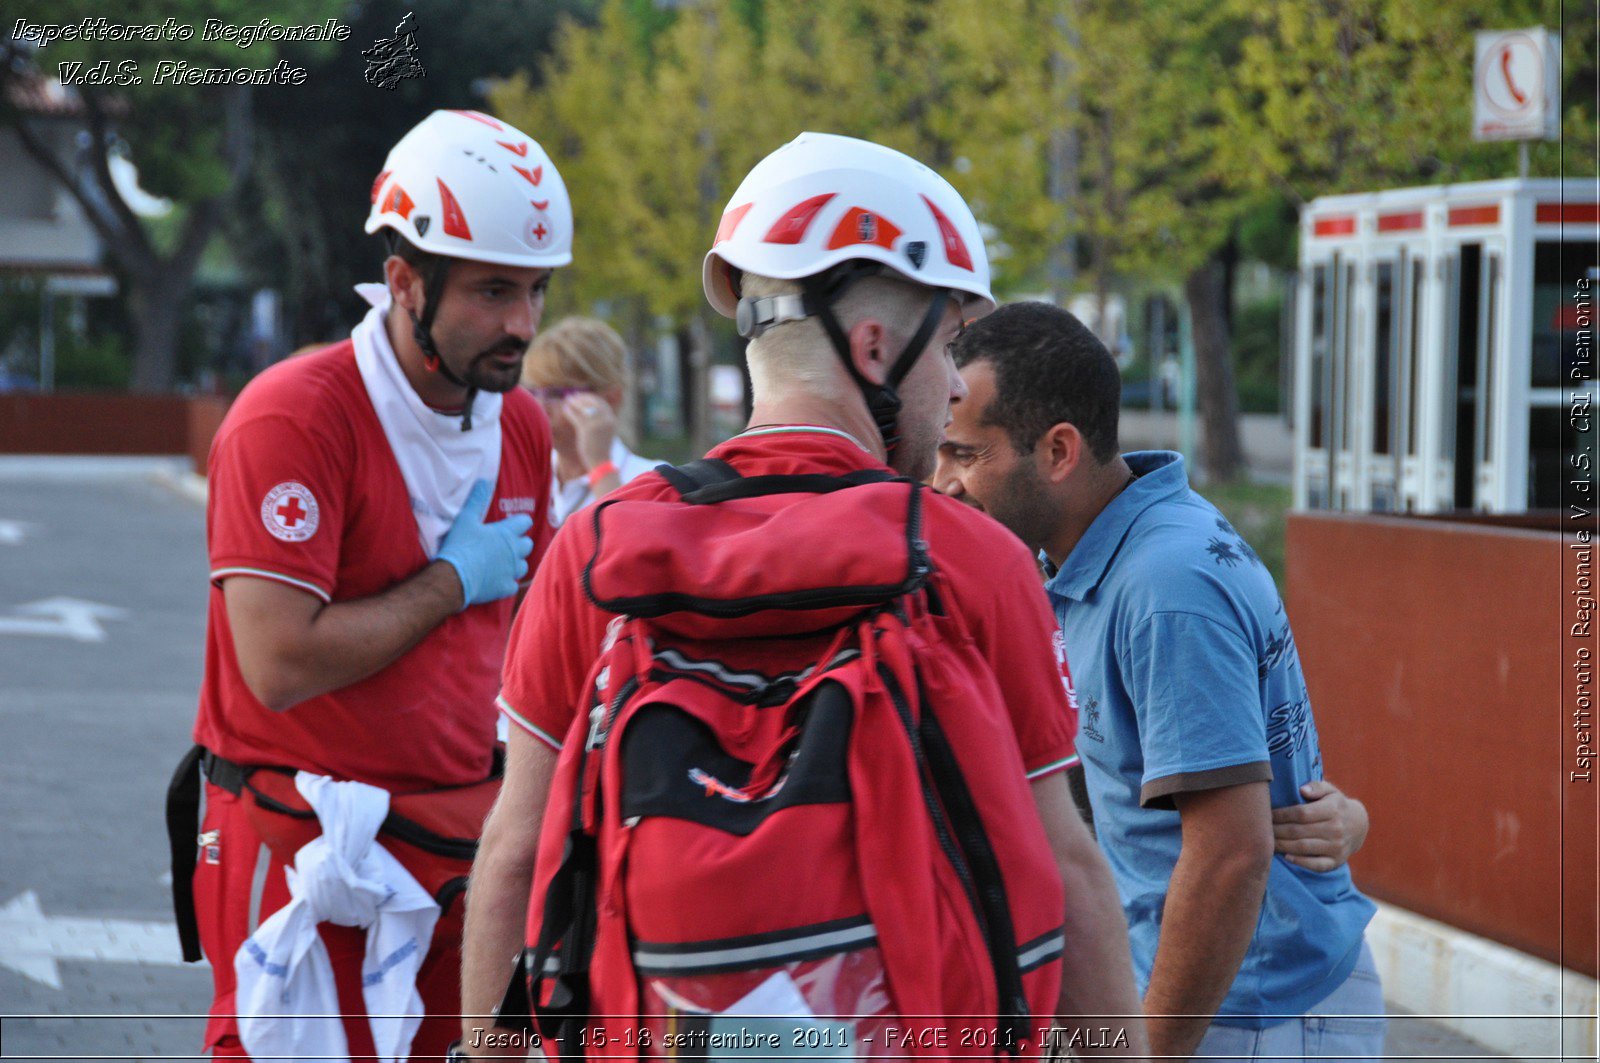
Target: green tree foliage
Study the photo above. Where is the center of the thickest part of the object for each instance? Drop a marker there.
(1352, 95)
(192, 144)
(653, 132)
(1199, 126)
(319, 147)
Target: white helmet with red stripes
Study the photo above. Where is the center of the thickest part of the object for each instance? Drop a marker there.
(822, 200)
(466, 185)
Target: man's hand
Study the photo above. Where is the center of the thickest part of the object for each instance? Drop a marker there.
(594, 424)
(489, 559)
(1323, 833)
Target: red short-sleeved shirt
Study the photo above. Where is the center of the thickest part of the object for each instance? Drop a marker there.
(994, 586)
(305, 490)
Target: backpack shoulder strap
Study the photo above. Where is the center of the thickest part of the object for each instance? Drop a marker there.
(690, 477)
(709, 481)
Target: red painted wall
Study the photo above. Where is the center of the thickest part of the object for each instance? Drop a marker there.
(1440, 658)
(110, 424)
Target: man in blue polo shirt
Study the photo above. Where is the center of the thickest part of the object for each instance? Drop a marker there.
(1195, 722)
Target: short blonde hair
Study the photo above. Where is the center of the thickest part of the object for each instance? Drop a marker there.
(580, 351)
(798, 356)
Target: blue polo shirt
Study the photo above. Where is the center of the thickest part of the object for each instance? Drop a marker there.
(1188, 679)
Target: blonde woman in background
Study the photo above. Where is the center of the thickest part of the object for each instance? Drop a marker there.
(578, 372)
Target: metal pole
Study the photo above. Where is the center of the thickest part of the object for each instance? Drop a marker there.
(1522, 158)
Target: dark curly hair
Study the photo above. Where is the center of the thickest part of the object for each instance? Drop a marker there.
(1048, 368)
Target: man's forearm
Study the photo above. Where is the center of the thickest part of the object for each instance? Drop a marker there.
(1212, 907)
(502, 876)
(335, 644)
(496, 918)
(1097, 988)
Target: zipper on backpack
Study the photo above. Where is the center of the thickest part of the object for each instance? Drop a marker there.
(993, 892)
(941, 823)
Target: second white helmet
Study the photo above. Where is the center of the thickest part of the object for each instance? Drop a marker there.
(822, 200)
(466, 185)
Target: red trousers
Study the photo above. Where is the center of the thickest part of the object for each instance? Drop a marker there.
(238, 883)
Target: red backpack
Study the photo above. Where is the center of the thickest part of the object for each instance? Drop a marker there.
(760, 838)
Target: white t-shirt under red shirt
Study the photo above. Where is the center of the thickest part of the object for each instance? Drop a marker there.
(305, 490)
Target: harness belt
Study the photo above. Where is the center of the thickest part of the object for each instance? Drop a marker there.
(183, 822)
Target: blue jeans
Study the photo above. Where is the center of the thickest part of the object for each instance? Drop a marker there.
(1348, 1025)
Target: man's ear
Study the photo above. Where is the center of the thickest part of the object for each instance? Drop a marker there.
(405, 283)
(869, 349)
(1062, 450)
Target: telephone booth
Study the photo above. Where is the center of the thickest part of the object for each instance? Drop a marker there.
(1444, 346)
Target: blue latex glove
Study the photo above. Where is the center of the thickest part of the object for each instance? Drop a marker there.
(489, 558)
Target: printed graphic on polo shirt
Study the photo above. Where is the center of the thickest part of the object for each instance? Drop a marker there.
(1091, 719)
(1287, 727)
(1244, 549)
(290, 512)
(1280, 644)
(1223, 552)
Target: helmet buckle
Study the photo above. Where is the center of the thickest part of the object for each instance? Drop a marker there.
(753, 316)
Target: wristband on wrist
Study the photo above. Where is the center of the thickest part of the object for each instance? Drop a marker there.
(600, 472)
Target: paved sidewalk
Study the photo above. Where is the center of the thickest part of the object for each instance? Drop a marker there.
(1410, 1037)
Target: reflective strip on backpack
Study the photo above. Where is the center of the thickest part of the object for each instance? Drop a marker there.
(1034, 954)
(748, 680)
(756, 950)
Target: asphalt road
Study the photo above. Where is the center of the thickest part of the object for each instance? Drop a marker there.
(92, 730)
(97, 694)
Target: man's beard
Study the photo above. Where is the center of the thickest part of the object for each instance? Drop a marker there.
(484, 375)
(1020, 504)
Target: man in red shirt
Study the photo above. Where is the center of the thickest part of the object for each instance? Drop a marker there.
(374, 510)
(851, 267)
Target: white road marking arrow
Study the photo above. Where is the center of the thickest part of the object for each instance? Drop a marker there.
(31, 942)
(12, 532)
(62, 618)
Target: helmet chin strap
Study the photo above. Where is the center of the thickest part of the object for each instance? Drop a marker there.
(422, 332)
(883, 400)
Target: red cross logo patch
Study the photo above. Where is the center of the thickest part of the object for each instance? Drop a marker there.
(539, 233)
(290, 512)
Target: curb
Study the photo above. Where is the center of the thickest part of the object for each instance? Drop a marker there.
(184, 480)
(69, 468)
(1509, 1002)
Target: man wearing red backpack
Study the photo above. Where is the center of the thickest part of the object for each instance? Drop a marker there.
(794, 718)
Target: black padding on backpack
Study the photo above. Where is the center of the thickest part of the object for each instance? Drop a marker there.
(709, 481)
(183, 824)
(515, 1010)
(802, 483)
(674, 766)
(691, 476)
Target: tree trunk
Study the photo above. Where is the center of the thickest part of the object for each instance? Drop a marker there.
(1206, 291)
(155, 309)
(643, 377)
(697, 382)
